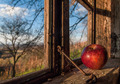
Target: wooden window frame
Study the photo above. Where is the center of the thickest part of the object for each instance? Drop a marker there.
(92, 11)
(44, 74)
(56, 14)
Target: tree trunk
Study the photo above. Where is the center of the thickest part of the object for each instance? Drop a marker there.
(13, 69)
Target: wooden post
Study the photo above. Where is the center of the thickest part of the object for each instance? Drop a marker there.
(56, 35)
(65, 33)
(86, 4)
(46, 33)
(94, 23)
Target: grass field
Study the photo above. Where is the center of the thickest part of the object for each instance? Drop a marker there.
(30, 62)
(76, 50)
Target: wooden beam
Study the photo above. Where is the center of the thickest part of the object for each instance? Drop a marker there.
(86, 4)
(47, 32)
(57, 9)
(65, 33)
(32, 78)
(94, 22)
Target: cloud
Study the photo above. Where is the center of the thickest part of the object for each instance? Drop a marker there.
(7, 10)
(22, 39)
(82, 9)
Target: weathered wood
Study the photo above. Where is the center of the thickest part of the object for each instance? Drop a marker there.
(90, 35)
(108, 75)
(46, 32)
(94, 41)
(29, 78)
(90, 27)
(103, 24)
(65, 33)
(86, 4)
(57, 9)
(94, 23)
(115, 28)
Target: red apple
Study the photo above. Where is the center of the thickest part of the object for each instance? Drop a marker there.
(94, 56)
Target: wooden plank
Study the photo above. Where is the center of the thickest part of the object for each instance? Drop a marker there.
(29, 78)
(116, 28)
(103, 24)
(86, 4)
(46, 32)
(102, 34)
(94, 22)
(56, 35)
(90, 25)
(65, 33)
(108, 75)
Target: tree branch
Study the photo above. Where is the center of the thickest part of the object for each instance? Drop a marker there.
(74, 26)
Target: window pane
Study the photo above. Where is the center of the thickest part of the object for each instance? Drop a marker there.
(22, 37)
(78, 28)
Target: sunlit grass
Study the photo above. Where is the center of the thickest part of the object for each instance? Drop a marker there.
(75, 54)
(31, 70)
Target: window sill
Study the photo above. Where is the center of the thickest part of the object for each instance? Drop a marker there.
(109, 72)
(42, 76)
(35, 77)
(77, 61)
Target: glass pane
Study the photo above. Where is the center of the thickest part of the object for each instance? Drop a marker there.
(78, 28)
(21, 37)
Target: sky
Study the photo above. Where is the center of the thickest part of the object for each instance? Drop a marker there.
(7, 11)
(76, 35)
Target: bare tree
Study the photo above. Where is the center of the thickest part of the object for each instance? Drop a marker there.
(17, 37)
(79, 16)
(38, 7)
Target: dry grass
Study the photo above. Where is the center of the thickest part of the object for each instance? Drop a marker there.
(30, 62)
(76, 49)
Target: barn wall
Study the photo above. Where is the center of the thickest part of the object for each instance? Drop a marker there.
(107, 25)
(115, 27)
(103, 24)
(89, 37)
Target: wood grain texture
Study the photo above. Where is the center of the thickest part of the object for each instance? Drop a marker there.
(103, 24)
(109, 74)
